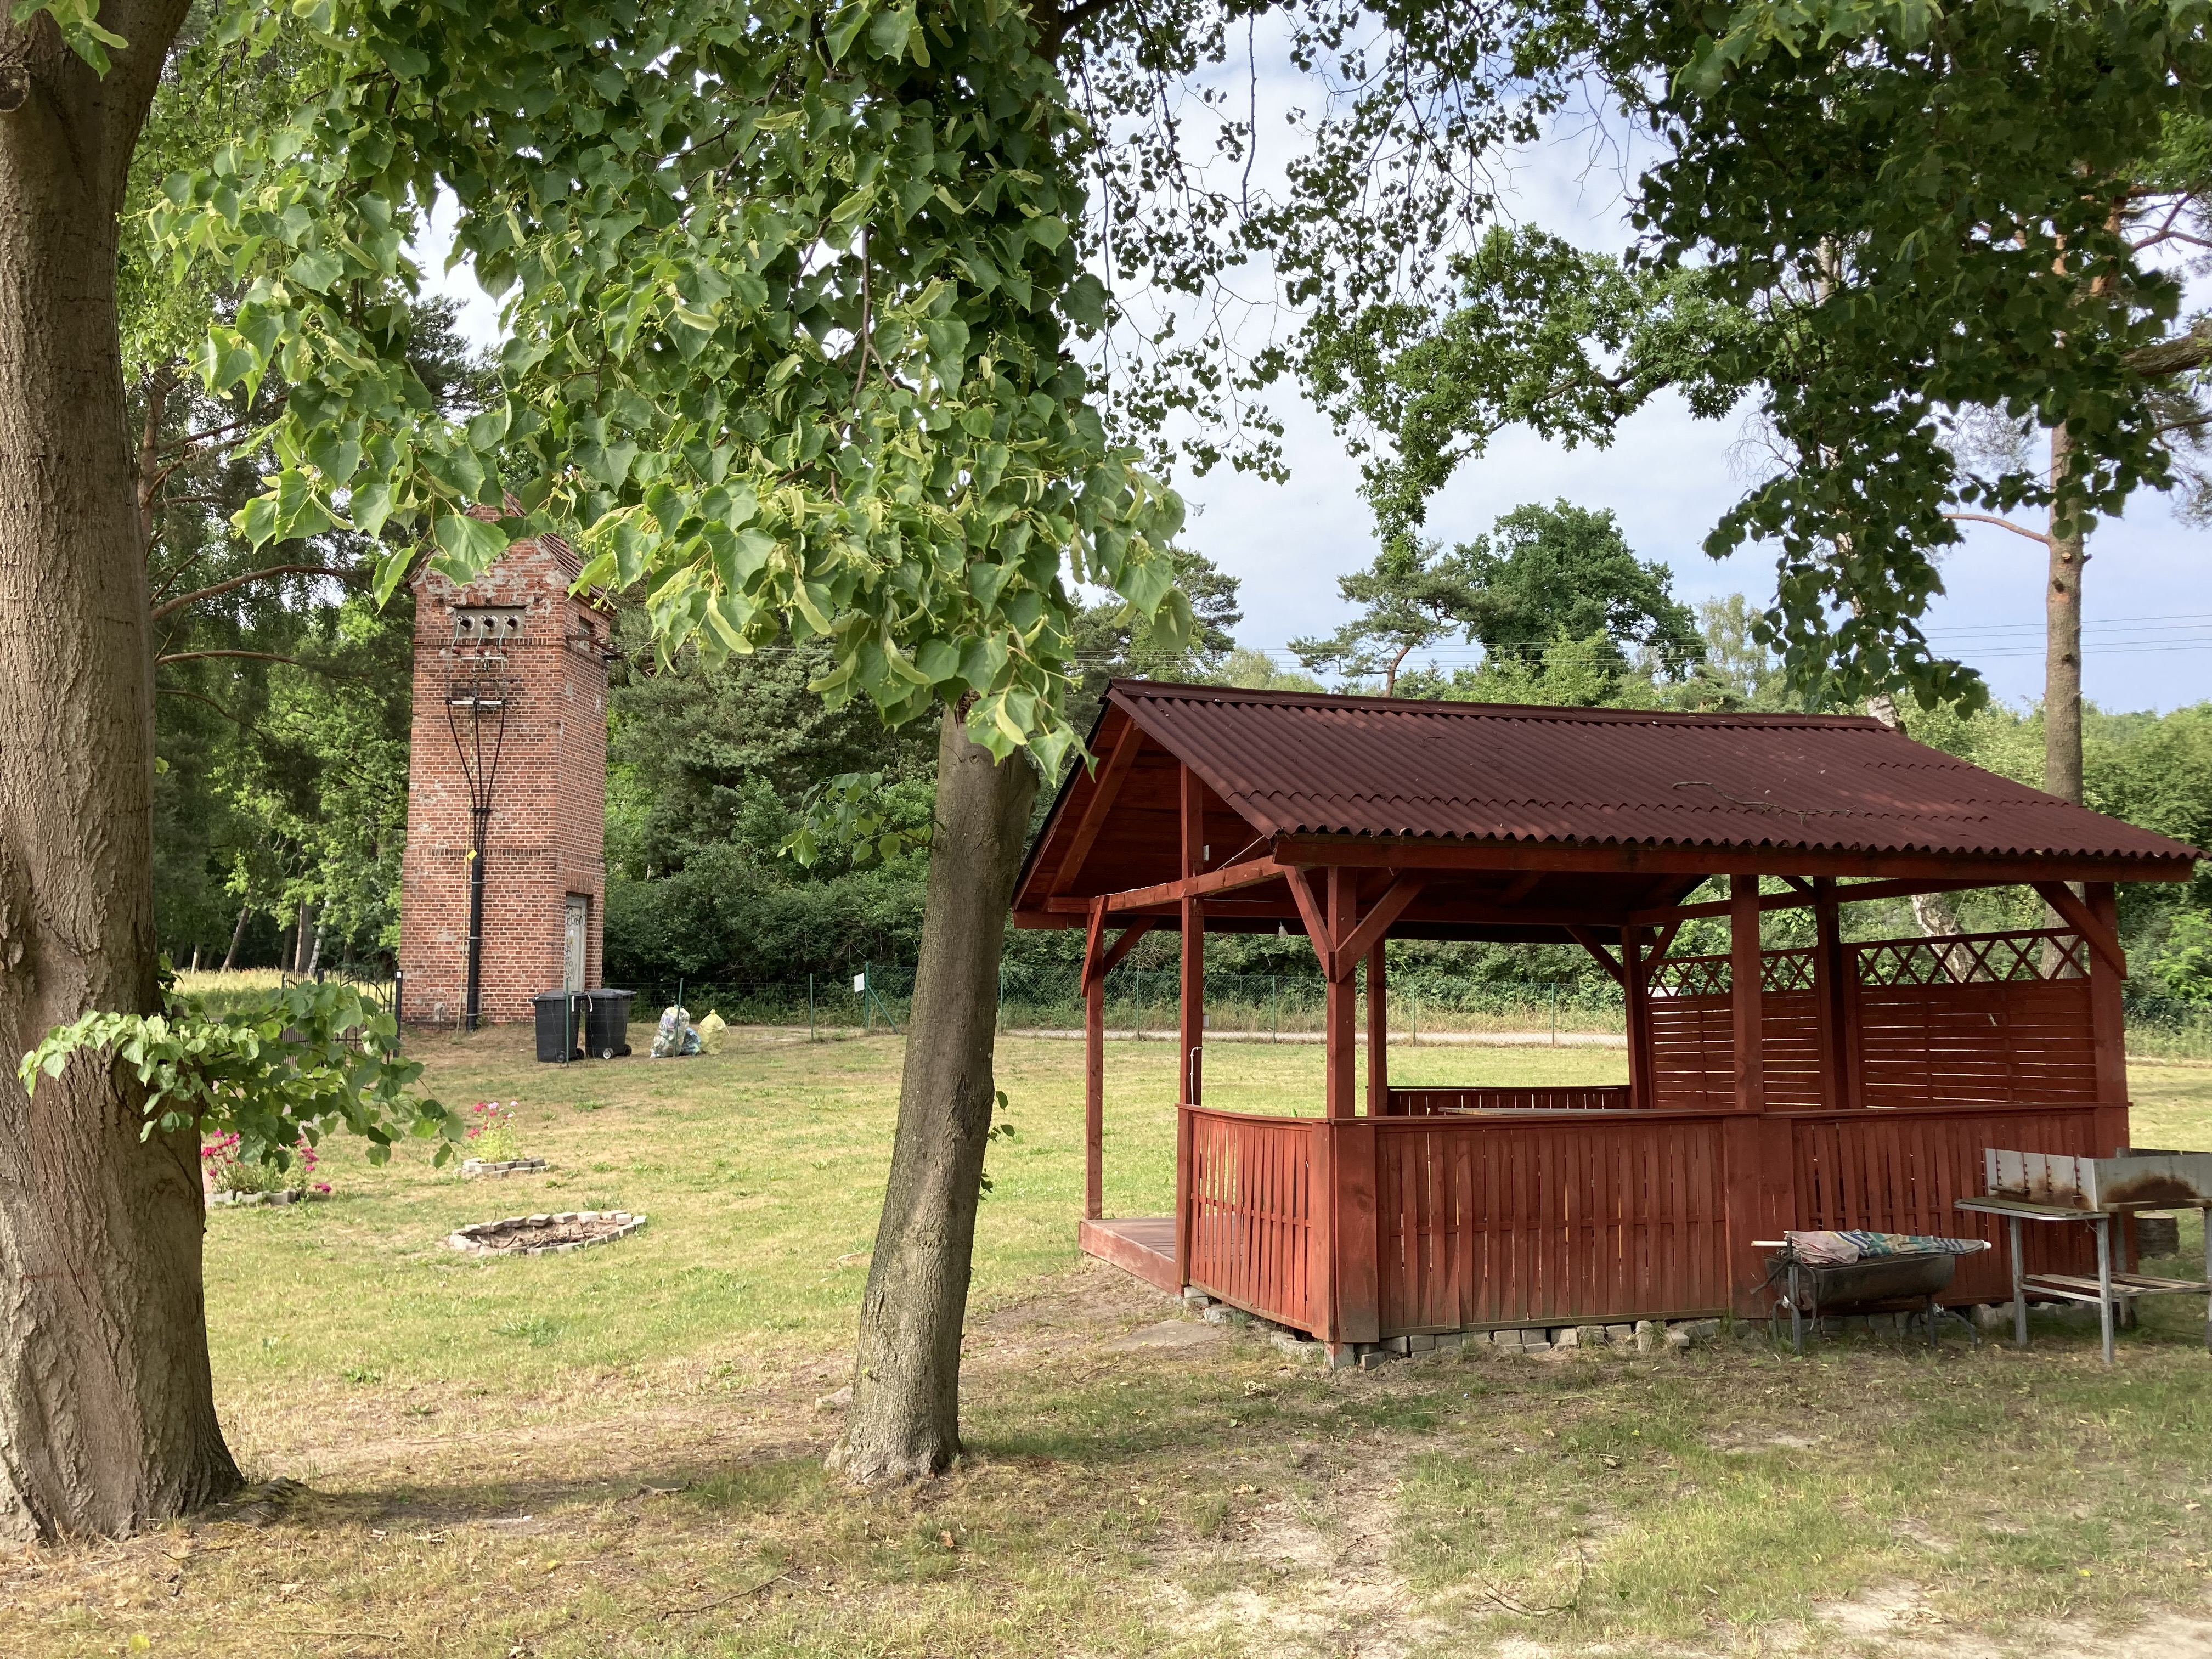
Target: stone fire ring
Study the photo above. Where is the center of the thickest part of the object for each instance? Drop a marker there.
(544, 1235)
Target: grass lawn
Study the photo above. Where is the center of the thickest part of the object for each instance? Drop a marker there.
(618, 1451)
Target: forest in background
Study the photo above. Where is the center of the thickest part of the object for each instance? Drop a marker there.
(281, 797)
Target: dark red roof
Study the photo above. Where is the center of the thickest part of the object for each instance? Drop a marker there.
(1294, 763)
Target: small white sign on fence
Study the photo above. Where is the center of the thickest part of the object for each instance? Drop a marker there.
(860, 982)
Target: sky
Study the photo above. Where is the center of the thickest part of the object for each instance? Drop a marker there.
(1666, 476)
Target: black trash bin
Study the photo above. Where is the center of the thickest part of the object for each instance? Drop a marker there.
(607, 1022)
(559, 1026)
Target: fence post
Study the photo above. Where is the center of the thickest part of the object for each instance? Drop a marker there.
(1555, 1013)
(867, 1003)
(1274, 1009)
(811, 1037)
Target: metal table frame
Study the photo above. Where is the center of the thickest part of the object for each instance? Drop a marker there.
(2110, 1287)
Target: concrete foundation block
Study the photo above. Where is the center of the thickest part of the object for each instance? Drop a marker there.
(1421, 1344)
(1568, 1336)
(1650, 1334)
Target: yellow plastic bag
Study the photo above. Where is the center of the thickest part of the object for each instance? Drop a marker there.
(710, 1031)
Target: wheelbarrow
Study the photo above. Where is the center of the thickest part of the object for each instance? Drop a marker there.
(1902, 1281)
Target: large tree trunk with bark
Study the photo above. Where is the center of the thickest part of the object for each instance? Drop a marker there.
(106, 1407)
(2062, 660)
(904, 1420)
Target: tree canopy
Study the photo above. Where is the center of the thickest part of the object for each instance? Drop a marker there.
(1541, 576)
(1874, 221)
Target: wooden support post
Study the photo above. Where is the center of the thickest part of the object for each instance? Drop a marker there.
(1191, 1028)
(2107, 1025)
(1757, 1148)
(1378, 1033)
(1830, 997)
(1094, 1065)
(1744, 971)
(1636, 959)
(1340, 1041)
(1356, 1230)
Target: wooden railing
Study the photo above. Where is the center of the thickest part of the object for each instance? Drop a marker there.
(1571, 1097)
(1499, 1220)
(1249, 1203)
(1398, 1225)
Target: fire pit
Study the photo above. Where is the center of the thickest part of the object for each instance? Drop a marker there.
(546, 1235)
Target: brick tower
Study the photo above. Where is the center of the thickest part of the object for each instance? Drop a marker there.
(510, 729)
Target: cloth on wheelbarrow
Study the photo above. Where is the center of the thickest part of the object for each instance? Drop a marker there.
(1840, 1250)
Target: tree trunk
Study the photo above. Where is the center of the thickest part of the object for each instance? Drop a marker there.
(2061, 659)
(106, 1407)
(237, 937)
(904, 1420)
(299, 938)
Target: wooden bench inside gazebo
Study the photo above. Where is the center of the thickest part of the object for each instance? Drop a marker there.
(1844, 1083)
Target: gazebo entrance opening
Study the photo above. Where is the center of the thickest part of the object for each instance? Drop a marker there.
(1841, 1084)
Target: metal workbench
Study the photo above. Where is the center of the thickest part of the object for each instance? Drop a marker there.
(2109, 1287)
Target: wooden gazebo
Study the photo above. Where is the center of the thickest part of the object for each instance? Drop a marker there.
(1845, 1084)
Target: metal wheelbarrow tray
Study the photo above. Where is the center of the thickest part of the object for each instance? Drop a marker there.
(1906, 1282)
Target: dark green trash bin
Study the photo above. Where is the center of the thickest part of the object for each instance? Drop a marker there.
(559, 1026)
(607, 1022)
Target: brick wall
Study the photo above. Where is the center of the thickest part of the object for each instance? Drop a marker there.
(547, 837)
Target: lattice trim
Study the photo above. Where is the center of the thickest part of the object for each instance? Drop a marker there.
(1786, 970)
(1973, 958)
(1690, 976)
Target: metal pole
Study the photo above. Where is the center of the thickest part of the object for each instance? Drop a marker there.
(811, 1037)
(1555, 1013)
(2103, 1225)
(472, 1001)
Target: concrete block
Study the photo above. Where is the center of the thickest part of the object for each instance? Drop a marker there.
(1451, 1340)
(1567, 1336)
(1399, 1345)
(1592, 1336)
(1621, 1336)
(1678, 1340)
(1650, 1334)
(1373, 1359)
(1700, 1330)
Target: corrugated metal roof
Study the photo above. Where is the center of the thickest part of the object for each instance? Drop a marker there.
(1294, 763)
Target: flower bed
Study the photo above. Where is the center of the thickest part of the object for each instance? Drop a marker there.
(544, 1235)
(473, 1167)
(227, 1179)
(284, 1195)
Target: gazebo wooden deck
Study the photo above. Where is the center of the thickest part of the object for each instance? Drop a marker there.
(1843, 1083)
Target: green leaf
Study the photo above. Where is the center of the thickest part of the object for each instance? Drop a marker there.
(468, 546)
(317, 269)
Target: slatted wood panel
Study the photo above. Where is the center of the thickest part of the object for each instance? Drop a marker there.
(1251, 1198)
(1431, 1103)
(1898, 1171)
(1790, 1049)
(1692, 1053)
(2011, 1040)
(1513, 1220)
